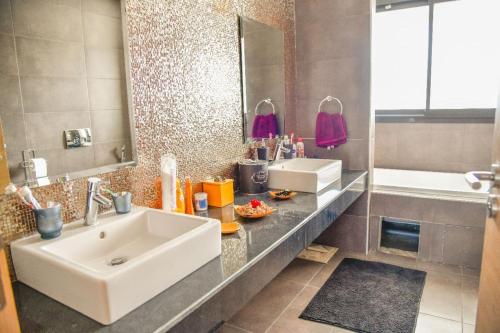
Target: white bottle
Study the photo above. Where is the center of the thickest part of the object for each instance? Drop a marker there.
(300, 148)
(168, 182)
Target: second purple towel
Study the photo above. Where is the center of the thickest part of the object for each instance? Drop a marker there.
(331, 130)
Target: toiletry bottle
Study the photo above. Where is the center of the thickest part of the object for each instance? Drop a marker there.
(189, 196)
(300, 148)
(168, 181)
(181, 204)
(158, 202)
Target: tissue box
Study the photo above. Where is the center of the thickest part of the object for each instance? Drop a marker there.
(220, 194)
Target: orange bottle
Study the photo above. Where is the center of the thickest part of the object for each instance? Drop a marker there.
(189, 196)
(158, 203)
(181, 203)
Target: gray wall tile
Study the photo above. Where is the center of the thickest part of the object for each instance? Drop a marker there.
(5, 17)
(110, 152)
(45, 130)
(431, 242)
(459, 213)
(14, 159)
(451, 232)
(79, 158)
(346, 37)
(54, 94)
(463, 246)
(264, 49)
(347, 233)
(433, 147)
(8, 65)
(13, 128)
(105, 94)
(56, 163)
(105, 63)
(10, 97)
(110, 125)
(47, 19)
(103, 7)
(374, 233)
(49, 58)
(102, 31)
(359, 207)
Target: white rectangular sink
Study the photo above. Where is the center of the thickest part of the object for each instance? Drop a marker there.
(107, 270)
(304, 174)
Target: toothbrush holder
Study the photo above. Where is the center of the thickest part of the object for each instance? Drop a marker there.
(123, 202)
(49, 221)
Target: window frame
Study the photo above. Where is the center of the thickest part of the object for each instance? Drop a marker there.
(467, 115)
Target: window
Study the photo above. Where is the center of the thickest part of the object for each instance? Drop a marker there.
(436, 59)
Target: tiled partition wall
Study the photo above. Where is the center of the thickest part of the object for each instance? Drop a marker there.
(451, 232)
(333, 58)
(433, 147)
(185, 76)
(62, 68)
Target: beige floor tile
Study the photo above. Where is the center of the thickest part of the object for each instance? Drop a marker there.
(470, 287)
(324, 273)
(289, 320)
(431, 324)
(468, 328)
(228, 328)
(301, 271)
(438, 268)
(466, 271)
(393, 259)
(442, 296)
(266, 306)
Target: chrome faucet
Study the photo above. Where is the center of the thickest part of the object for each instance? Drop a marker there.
(278, 150)
(94, 200)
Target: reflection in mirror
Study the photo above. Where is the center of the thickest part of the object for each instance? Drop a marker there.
(263, 79)
(64, 101)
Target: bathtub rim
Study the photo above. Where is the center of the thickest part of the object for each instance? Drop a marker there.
(422, 192)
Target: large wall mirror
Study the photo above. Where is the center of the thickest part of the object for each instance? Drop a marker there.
(64, 89)
(262, 52)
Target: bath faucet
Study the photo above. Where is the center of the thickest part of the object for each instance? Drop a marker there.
(278, 150)
(474, 177)
(94, 200)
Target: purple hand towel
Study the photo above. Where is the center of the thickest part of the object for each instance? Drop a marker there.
(263, 125)
(331, 130)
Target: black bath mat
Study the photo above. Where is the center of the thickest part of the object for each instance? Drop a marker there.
(367, 296)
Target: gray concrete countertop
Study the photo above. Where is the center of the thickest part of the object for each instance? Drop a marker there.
(240, 251)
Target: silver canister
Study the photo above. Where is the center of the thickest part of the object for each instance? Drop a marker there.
(253, 176)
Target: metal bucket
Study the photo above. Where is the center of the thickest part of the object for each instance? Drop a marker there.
(253, 176)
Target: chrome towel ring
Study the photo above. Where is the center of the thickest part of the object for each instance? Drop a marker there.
(330, 99)
(267, 101)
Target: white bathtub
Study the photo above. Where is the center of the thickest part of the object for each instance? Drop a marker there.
(427, 184)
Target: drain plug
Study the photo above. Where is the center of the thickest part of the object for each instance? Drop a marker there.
(117, 261)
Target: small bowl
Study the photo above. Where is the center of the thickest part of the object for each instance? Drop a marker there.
(237, 209)
(274, 195)
(229, 227)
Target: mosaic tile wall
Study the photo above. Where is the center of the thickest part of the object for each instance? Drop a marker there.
(185, 79)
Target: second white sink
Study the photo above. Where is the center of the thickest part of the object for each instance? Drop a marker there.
(304, 174)
(107, 270)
